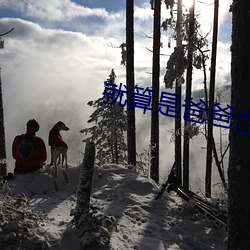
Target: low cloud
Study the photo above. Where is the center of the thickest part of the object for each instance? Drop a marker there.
(51, 69)
(56, 10)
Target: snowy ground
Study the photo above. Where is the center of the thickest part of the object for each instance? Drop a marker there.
(142, 222)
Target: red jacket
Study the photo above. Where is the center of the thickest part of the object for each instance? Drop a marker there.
(37, 159)
(55, 139)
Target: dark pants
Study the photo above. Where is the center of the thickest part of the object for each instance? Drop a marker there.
(25, 171)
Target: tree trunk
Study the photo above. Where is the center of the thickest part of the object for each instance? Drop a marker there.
(239, 160)
(218, 164)
(188, 96)
(116, 152)
(211, 102)
(81, 215)
(154, 168)
(3, 162)
(178, 91)
(131, 131)
(94, 231)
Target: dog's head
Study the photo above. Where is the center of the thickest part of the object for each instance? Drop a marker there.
(61, 126)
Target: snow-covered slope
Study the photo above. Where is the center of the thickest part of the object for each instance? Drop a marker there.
(141, 221)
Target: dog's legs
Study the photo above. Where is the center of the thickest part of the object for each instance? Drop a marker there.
(55, 158)
(56, 170)
(57, 152)
(63, 157)
(59, 159)
(51, 156)
(66, 161)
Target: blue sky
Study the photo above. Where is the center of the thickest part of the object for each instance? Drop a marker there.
(67, 14)
(108, 5)
(61, 51)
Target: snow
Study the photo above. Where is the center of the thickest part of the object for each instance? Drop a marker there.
(141, 221)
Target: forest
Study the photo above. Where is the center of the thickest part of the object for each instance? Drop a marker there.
(218, 115)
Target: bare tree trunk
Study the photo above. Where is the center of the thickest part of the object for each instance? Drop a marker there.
(239, 160)
(178, 157)
(93, 231)
(188, 96)
(116, 139)
(211, 102)
(131, 131)
(154, 169)
(81, 215)
(216, 158)
(3, 162)
(116, 152)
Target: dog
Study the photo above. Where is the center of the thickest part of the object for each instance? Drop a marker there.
(57, 152)
(58, 146)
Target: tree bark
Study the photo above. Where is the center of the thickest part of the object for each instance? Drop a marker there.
(154, 169)
(209, 159)
(131, 131)
(93, 229)
(188, 96)
(83, 193)
(239, 159)
(218, 164)
(3, 161)
(178, 158)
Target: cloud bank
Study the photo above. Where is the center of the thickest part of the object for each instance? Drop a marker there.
(58, 56)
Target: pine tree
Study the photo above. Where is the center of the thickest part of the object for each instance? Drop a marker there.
(189, 73)
(108, 132)
(190, 51)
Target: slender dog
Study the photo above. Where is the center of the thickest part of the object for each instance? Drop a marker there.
(58, 146)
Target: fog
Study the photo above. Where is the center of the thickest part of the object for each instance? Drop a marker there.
(51, 69)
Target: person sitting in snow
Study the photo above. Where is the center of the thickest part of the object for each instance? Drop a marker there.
(29, 150)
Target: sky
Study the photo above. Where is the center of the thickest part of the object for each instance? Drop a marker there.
(60, 52)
